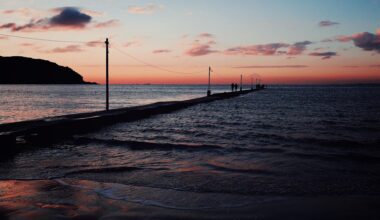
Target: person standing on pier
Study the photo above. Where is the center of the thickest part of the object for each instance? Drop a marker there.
(232, 87)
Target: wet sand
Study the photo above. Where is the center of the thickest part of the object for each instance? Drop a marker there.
(83, 199)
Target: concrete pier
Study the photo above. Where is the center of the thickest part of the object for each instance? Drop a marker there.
(51, 129)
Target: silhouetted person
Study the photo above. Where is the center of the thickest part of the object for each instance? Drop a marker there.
(236, 86)
(232, 87)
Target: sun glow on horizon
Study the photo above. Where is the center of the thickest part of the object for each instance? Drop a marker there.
(165, 44)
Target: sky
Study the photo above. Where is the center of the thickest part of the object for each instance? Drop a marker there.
(175, 41)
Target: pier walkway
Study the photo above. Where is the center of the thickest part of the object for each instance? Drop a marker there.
(51, 129)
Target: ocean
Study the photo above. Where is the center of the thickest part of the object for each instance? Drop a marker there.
(286, 147)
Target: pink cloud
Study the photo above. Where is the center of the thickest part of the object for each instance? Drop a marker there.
(206, 35)
(27, 12)
(201, 45)
(161, 51)
(67, 49)
(199, 50)
(106, 24)
(27, 44)
(132, 44)
(95, 43)
(344, 38)
(271, 66)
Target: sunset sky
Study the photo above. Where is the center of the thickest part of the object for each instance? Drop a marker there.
(174, 41)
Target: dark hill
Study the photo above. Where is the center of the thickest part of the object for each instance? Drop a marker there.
(23, 70)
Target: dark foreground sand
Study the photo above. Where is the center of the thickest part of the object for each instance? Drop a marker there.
(81, 199)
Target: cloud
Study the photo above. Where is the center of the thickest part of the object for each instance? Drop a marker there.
(95, 44)
(26, 12)
(201, 45)
(273, 66)
(367, 41)
(27, 44)
(70, 16)
(324, 55)
(110, 23)
(65, 18)
(132, 44)
(261, 49)
(327, 23)
(148, 9)
(205, 35)
(67, 49)
(364, 40)
(200, 50)
(298, 48)
(161, 51)
(366, 66)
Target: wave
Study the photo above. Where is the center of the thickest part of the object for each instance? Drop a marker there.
(239, 170)
(338, 156)
(140, 145)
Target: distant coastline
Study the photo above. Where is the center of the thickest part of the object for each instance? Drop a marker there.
(25, 70)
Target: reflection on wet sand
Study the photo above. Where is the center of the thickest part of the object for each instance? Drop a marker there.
(82, 199)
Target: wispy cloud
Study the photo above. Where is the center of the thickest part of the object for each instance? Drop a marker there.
(67, 49)
(205, 35)
(147, 9)
(95, 43)
(270, 49)
(324, 55)
(327, 23)
(271, 66)
(261, 49)
(106, 24)
(161, 51)
(134, 43)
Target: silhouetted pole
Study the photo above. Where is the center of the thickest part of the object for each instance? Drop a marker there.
(251, 82)
(209, 82)
(107, 82)
(241, 83)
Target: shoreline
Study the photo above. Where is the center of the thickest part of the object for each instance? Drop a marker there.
(83, 199)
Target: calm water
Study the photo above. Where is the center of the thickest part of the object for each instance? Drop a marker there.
(24, 102)
(283, 141)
